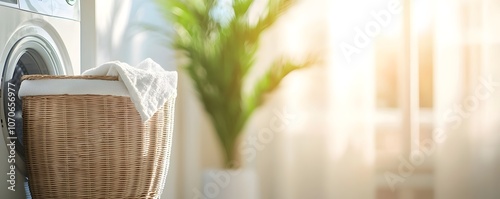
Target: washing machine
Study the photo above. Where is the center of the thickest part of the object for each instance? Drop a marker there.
(36, 37)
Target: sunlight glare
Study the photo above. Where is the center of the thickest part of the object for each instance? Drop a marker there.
(422, 16)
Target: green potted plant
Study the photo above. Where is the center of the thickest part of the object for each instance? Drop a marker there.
(220, 44)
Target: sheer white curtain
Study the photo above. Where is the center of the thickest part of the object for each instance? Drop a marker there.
(327, 151)
(467, 56)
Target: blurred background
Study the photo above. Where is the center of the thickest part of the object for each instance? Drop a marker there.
(404, 104)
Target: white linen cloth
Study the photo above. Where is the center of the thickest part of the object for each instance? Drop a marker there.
(148, 84)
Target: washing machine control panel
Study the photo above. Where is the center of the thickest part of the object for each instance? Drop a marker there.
(11, 3)
(69, 9)
(38, 6)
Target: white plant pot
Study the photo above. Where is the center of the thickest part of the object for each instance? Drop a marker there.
(230, 184)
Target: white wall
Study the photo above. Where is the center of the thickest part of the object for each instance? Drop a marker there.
(114, 30)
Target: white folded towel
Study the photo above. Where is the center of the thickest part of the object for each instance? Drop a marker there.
(148, 84)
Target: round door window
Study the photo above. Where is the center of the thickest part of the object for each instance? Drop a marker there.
(29, 63)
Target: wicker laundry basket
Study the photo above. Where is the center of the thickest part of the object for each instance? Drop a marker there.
(94, 146)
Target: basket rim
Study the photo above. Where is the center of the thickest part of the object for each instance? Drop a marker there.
(88, 77)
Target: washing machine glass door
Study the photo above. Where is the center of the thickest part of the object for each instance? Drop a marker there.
(31, 55)
(30, 62)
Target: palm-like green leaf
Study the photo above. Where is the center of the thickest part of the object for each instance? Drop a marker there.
(220, 56)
